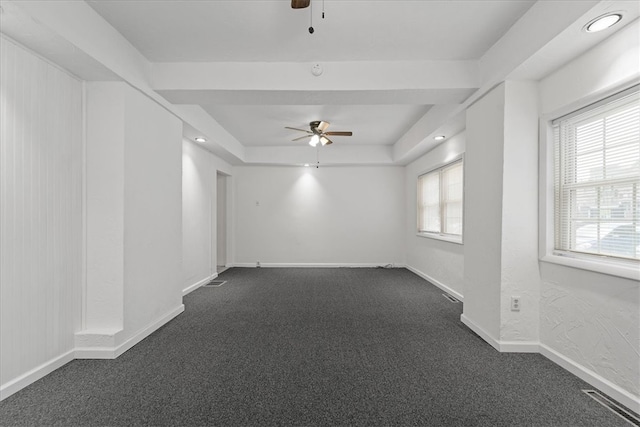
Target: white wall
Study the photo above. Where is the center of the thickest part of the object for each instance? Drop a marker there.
(519, 268)
(309, 216)
(41, 215)
(483, 211)
(104, 199)
(199, 213)
(134, 219)
(153, 213)
(440, 262)
(592, 320)
(501, 217)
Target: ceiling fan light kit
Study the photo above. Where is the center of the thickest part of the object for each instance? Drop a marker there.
(318, 133)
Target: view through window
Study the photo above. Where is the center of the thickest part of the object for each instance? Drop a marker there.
(597, 179)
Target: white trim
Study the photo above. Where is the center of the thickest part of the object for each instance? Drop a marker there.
(451, 238)
(481, 332)
(607, 387)
(546, 220)
(611, 267)
(196, 285)
(114, 352)
(501, 346)
(17, 384)
(317, 265)
(614, 391)
(435, 282)
(148, 330)
(519, 346)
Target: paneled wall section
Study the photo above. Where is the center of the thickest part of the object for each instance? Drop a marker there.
(40, 211)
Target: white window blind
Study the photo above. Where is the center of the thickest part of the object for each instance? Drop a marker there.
(440, 201)
(597, 179)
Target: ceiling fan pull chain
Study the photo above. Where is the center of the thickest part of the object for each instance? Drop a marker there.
(322, 9)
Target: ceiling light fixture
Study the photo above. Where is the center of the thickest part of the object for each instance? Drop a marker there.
(314, 140)
(439, 137)
(199, 139)
(603, 22)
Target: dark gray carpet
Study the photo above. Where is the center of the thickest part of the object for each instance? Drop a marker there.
(312, 347)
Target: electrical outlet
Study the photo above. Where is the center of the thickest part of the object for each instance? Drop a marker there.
(515, 303)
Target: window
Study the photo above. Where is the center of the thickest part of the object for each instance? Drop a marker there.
(597, 179)
(440, 202)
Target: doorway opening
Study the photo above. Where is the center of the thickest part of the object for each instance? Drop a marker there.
(221, 223)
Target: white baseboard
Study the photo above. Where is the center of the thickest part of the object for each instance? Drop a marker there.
(195, 286)
(439, 284)
(501, 346)
(607, 387)
(148, 330)
(519, 346)
(316, 265)
(480, 332)
(35, 374)
(614, 391)
(111, 352)
(101, 351)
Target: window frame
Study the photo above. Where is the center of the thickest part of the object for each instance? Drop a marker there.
(447, 237)
(618, 267)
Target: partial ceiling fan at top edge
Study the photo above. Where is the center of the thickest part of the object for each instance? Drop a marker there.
(300, 4)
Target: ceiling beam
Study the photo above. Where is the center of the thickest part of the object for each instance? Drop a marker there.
(74, 36)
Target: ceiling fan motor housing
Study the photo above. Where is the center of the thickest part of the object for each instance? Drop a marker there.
(314, 126)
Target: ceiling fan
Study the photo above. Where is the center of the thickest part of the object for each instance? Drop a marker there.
(300, 4)
(318, 134)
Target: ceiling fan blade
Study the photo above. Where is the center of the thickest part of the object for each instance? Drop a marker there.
(339, 133)
(302, 137)
(322, 126)
(301, 130)
(300, 4)
(325, 141)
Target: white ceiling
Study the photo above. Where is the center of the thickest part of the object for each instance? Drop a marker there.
(263, 30)
(271, 31)
(370, 124)
(395, 72)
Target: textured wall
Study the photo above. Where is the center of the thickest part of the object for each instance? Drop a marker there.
(520, 271)
(41, 210)
(593, 319)
(590, 318)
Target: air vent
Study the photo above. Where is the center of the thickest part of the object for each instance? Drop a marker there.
(613, 407)
(450, 298)
(215, 284)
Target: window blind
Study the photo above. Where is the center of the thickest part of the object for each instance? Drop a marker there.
(440, 200)
(597, 179)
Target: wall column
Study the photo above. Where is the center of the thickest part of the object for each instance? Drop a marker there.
(500, 241)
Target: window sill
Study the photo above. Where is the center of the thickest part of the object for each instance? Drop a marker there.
(443, 237)
(619, 268)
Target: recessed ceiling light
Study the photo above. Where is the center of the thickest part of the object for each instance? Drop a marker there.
(603, 22)
(200, 139)
(439, 137)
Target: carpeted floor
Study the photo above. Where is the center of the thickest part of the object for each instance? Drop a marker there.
(312, 347)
